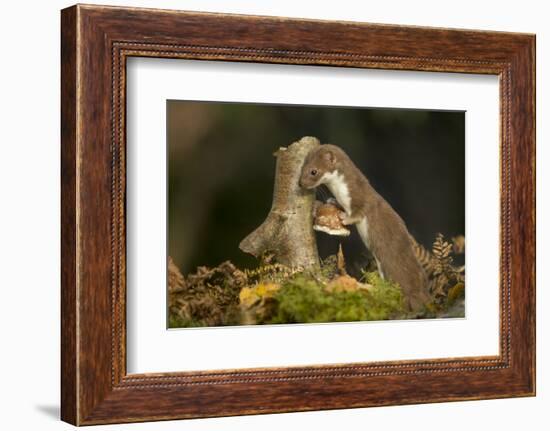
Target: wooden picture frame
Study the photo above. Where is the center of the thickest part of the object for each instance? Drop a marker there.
(95, 43)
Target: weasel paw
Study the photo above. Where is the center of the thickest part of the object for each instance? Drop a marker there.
(347, 220)
(343, 218)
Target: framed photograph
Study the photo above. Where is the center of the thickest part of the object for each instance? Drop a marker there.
(264, 214)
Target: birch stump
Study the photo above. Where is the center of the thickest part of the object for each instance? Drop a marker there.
(287, 232)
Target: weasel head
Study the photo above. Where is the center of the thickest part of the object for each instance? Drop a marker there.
(318, 166)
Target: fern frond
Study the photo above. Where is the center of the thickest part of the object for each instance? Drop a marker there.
(423, 256)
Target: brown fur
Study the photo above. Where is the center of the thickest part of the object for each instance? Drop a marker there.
(387, 236)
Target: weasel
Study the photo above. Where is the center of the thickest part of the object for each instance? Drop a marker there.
(381, 229)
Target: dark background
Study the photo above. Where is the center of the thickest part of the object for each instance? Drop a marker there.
(221, 171)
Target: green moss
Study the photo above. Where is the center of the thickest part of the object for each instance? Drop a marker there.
(385, 299)
(305, 300)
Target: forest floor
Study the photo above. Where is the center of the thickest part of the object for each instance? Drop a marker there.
(272, 293)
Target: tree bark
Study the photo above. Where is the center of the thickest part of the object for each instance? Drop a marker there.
(287, 232)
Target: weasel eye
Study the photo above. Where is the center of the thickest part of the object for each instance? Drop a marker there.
(313, 172)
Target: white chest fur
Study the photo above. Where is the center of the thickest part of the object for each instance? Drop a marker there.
(363, 230)
(336, 183)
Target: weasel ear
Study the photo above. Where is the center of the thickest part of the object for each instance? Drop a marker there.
(329, 156)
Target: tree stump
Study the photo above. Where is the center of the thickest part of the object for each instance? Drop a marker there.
(287, 232)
